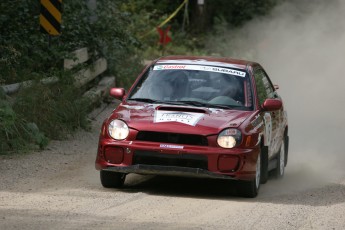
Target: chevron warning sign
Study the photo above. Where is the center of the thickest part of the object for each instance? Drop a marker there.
(50, 17)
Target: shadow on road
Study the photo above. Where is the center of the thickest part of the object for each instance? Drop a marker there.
(180, 186)
(292, 189)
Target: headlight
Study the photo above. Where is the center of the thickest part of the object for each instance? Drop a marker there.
(118, 130)
(229, 138)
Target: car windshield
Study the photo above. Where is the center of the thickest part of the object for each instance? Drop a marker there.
(195, 85)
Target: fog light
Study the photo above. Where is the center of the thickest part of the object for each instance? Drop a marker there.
(113, 155)
(227, 163)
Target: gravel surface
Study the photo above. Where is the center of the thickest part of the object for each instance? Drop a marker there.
(59, 188)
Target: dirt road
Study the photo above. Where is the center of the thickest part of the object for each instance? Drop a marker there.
(59, 189)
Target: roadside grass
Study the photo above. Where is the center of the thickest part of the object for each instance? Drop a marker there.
(16, 133)
(40, 113)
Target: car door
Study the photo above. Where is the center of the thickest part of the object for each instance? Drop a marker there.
(265, 90)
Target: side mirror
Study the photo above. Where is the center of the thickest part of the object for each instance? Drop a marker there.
(118, 93)
(272, 104)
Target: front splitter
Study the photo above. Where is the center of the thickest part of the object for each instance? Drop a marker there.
(168, 171)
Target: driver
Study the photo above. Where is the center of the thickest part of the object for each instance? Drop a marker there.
(229, 86)
(229, 90)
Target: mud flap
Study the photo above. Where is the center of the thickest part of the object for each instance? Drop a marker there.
(286, 139)
(264, 165)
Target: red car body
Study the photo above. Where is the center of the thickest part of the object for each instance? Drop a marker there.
(184, 139)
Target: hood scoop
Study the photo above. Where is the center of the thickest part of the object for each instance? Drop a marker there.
(180, 109)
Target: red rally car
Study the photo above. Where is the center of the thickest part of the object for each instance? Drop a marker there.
(196, 117)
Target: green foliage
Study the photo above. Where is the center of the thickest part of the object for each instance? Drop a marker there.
(56, 109)
(15, 133)
(38, 137)
(25, 51)
(42, 111)
(116, 42)
(145, 16)
(2, 94)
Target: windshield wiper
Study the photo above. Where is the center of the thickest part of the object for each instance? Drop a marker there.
(143, 100)
(195, 103)
(148, 100)
(223, 106)
(208, 105)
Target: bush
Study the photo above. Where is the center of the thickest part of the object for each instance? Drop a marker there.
(56, 109)
(16, 133)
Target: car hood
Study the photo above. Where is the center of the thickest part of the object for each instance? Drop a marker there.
(181, 119)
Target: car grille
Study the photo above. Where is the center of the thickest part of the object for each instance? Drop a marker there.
(176, 138)
(180, 160)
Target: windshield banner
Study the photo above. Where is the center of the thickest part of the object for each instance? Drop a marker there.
(201, 68)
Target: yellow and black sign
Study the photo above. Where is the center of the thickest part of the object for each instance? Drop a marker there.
(50, 17)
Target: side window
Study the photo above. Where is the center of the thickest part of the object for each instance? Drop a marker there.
(263, 86)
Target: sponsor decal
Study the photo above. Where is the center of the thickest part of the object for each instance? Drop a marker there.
(257, 123)
(256, 120)
(258, 126)
(202, 68)
(187, 118)
(171, 146)
(165, 67)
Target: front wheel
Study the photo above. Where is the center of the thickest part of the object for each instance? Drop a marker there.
(112, 179)
(250, 189)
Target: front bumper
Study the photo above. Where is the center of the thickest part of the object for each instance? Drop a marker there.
(143, 157)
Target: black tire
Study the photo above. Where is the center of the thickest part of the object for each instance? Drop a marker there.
(247, 189)
(264, 165)
(251, 188)
(112, 179)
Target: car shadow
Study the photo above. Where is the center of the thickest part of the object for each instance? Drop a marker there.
(181, 186)
(288, 190)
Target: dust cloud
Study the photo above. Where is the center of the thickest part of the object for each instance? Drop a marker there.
(301, 44)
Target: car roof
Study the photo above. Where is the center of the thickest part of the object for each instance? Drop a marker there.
(206, 60)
